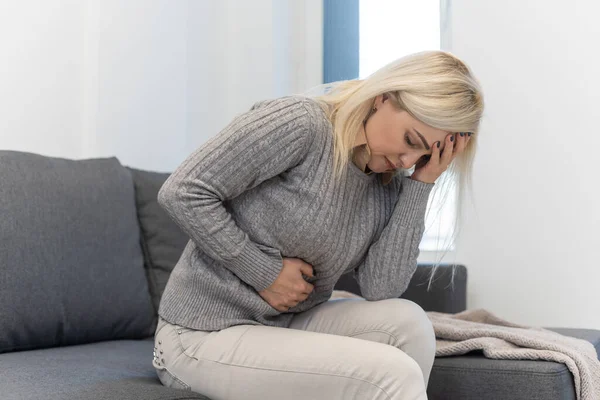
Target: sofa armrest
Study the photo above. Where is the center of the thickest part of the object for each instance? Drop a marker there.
(443, 296)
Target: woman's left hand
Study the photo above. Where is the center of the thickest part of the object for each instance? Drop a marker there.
(429, 168)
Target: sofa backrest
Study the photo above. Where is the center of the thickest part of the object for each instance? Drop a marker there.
(162, 240)
(71, 264)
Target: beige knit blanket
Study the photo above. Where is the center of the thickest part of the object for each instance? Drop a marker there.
(460, 333)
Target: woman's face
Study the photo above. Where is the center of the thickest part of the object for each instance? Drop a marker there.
(397, 137)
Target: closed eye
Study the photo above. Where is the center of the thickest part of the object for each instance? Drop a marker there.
(407, 139)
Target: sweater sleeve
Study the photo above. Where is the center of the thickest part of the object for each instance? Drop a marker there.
(391, 261)
(255, 146)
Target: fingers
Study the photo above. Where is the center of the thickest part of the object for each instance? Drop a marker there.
(454, 144)
(301, 293)
(462, 138)
(284, 304)
(302, 287)
(307, 288)
(290, 288)
(448, 150)
(300, 297)
(306, 269)
(435, 154)
(292, 303)
(282, 308)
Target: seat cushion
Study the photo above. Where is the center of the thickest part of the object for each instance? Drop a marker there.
(99, 371)
(123, 370)
(474, 376)
(163, 241)
(71, 264)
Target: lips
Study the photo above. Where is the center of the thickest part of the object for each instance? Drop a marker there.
(392, 166)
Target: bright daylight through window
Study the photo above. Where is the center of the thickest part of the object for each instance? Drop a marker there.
(390, 29)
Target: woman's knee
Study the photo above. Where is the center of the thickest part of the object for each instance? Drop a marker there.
(405, 313)
(410, 320)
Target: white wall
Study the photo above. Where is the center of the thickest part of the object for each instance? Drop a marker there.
(532, 249)
(137, 84)
(146, 80)
(41, 75)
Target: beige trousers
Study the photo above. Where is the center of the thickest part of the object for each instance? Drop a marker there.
(342, 349)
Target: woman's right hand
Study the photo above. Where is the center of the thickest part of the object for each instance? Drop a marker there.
(289, 288)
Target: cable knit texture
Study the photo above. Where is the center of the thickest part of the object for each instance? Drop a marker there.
(263, 189)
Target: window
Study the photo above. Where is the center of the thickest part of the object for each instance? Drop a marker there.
(388, 30)
(360, 36)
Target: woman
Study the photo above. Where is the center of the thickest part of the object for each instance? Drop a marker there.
(287, 198)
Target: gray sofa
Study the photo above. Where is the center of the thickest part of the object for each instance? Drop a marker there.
(85, 252)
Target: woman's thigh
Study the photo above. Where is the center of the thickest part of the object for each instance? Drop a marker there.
(260, 362)
(396, 322)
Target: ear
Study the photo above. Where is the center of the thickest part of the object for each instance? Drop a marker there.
(379, 100)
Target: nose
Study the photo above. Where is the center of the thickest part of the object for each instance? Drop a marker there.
(407, 161)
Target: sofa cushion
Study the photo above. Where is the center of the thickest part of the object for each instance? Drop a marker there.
(71, 265)
(447, 294)
(123, 370)
(473, 376)
(120, 369)
(162, 240)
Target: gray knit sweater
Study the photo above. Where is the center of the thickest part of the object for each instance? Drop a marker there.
(263, 189)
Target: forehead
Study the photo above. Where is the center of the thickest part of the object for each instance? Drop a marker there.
(412, 124)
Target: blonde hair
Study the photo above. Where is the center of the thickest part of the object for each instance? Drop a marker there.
(434, 87)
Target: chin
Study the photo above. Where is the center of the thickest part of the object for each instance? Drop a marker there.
(379, 169)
